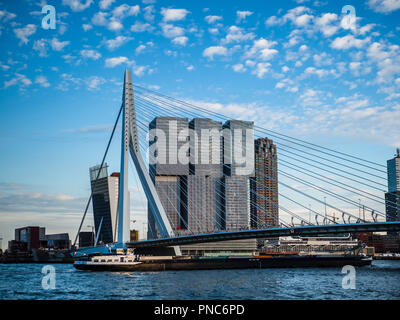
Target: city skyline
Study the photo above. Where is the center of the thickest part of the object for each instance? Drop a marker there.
(338, 86)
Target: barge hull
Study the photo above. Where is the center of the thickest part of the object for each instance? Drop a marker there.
(229, 263)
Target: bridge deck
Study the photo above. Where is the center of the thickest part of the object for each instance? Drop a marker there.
(267, 233)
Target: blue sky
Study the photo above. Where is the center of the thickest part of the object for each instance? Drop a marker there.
(288, 65)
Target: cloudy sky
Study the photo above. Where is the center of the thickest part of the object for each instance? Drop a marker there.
(292, 66)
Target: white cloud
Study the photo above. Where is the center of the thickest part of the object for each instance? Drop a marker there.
(347, 42)
(141, 27)
(18, 79)
(239, 68)
(261, 69)
(213, 31)
(42, 80)
(319, 72)
(142, 47)
(365, 29)
(77, 5)
(273, 21)
(190, 68)
(236, 34)
(384, 6)
(171, 31)
(6, 16)
(58, 45)
(180, 40)
(99, 19)
(86, 27)
(328, 24)
(125, 10)
(113, 21)
(94, 82)
(174, 14)
(139, 71)
(242, 15)
(105, 4)
(212, 19)
(262, 49)
(90, 54)
(322, 59)
(4, 66)
(115, 25)
(24, 33)
(113, 62)
(387, 58)
(210, 52)
(149, 13)
(41, 46)
(117, 42)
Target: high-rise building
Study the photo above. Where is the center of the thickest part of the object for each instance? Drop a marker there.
(238, 166)
(205, 191)
(392, 197)
(205, 171)
(105, 203)
(168, 135)
(264, 186)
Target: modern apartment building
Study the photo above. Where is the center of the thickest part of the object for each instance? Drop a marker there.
(392, 197)
(264, 186)
(105, 203)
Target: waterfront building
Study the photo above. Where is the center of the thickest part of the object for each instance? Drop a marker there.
(392, 197)
(205, 168)
(264, 186)
(238, 166)
(58, 241)
(86, 239)
(105, 202)
(31, 236)
(205, 193)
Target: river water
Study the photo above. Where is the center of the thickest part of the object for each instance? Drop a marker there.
(381, 280)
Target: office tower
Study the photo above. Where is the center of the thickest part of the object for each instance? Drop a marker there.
(205, 191)
(169, 135)
(264, 186)
(205, 169)
(105, 203)
(392, 197)
(205, 147)
(238, 160)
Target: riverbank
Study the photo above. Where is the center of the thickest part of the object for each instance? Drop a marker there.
(40, 256)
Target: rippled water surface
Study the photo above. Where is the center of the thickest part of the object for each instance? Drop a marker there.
(24, 281)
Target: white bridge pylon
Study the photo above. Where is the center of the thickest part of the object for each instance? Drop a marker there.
(130, 145)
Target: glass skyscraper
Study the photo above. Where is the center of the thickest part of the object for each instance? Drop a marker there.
(392, 197)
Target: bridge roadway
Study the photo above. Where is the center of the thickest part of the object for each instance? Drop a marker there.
(305, 231)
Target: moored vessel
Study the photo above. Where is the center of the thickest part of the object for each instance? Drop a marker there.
(137, 263)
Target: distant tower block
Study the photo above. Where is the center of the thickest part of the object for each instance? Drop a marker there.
(392, 197)
(105, 202)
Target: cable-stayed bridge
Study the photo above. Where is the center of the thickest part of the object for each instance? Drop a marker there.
(192, 201)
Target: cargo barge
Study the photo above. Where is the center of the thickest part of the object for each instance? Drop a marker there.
(135, 263)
